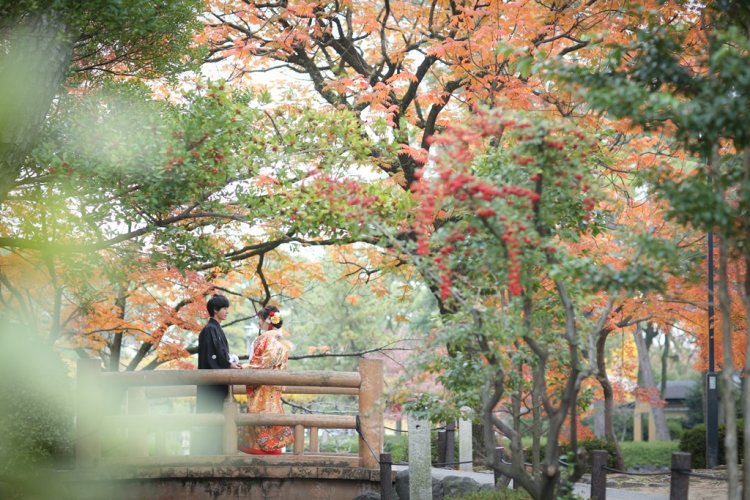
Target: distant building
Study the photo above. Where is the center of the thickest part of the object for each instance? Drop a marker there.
(675, 395)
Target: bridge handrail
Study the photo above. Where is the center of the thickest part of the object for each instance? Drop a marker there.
(366, 383)
(188, 420)
(232, 377)
(186, 391)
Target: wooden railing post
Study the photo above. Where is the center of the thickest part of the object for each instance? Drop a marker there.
(230, 424)
(299, 439)
(95, 407)
(88, 412)
(371, 408)
(441, 461)
(386, 475)
(679, 482)
(314, 443)
(160, 443)
(599, 474)
(450, 443)
(137, 437)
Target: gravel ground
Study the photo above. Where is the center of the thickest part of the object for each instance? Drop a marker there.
(622, 486)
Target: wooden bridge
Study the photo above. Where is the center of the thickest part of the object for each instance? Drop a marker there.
(117, 403)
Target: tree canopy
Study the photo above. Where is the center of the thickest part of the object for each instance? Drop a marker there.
(546, 170)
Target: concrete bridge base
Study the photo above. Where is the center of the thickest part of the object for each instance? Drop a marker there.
(197, 478)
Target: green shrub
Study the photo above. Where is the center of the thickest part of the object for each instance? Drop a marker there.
(589, 445)
(398, 447)
(34, 431)
(676, 428)
(339, 443)
(36, 417)
(36, 414)
(506, 494)
(694, 402)
(694, 442)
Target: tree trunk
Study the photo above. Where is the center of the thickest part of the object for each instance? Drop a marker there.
(664, 366)
(647, 381)
(609, 397)
(536, 411)
(745, 384)
(115, 348)
(728, 373)
(31, 75)
(55, 326)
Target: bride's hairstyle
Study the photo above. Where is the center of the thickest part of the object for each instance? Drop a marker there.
(272, 315)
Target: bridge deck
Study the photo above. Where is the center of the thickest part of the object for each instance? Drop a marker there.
(345, 466)
(311, 477)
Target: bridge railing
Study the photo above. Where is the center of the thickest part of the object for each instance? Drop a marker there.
(95, 416)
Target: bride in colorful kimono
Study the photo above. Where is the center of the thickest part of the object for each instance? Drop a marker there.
(269, 351)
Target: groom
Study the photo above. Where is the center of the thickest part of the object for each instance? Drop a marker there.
(213, 354)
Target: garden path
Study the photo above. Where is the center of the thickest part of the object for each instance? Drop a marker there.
(700, 489)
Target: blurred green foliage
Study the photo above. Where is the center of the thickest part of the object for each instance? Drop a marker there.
(36, 412)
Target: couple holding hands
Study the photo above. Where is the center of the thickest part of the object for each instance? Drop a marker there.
(269, 351)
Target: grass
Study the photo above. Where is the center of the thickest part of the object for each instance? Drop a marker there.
(655, 453)
(506, 494)
(658, 453)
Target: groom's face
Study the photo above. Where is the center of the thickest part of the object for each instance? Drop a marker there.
(222, 313)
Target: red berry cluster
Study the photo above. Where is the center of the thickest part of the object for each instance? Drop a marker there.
(504, 209)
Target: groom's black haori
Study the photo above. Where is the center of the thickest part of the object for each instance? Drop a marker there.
(213, 354)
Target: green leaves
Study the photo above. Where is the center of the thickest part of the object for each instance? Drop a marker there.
(689, 84)
(192, 179)
(129, 36)
(661, 79)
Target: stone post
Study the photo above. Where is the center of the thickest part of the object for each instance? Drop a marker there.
(599, 418)
(420, 469)
(464, 441)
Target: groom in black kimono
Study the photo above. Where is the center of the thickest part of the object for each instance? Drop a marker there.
(213, 354)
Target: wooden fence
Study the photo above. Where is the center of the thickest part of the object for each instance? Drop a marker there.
(95, 415)
(679, 475)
